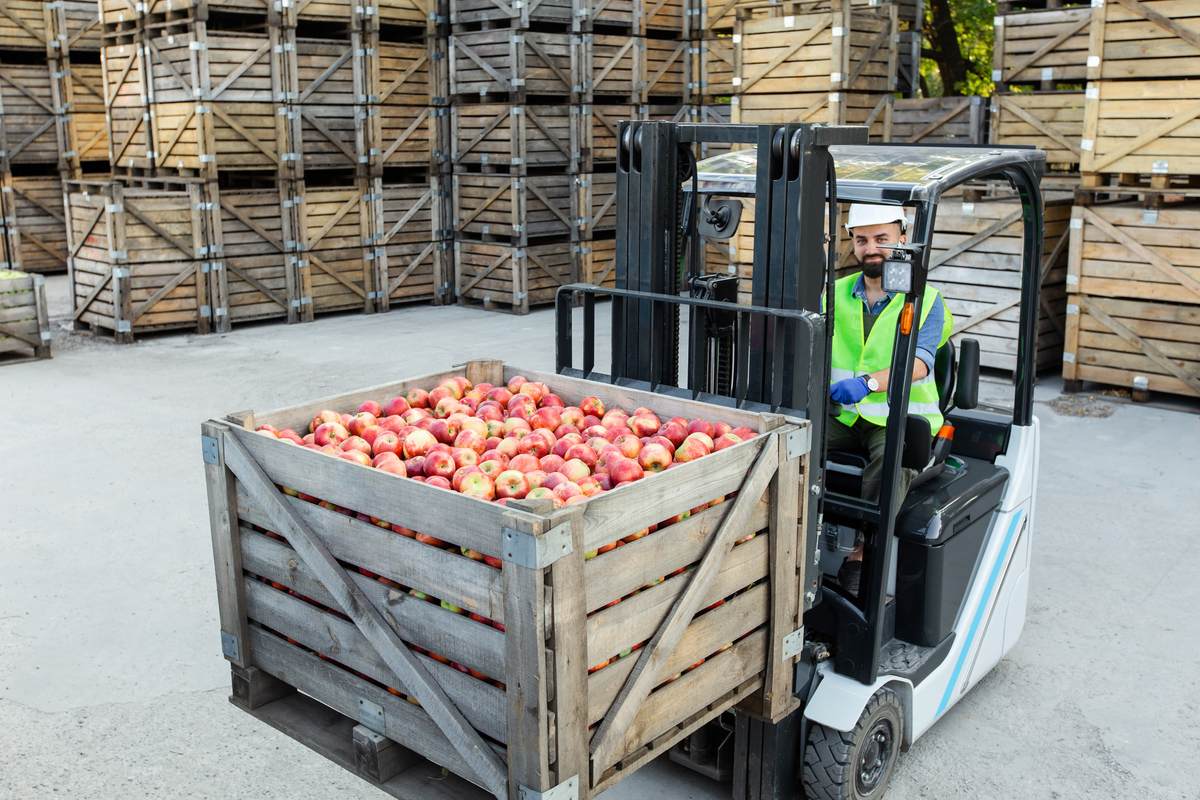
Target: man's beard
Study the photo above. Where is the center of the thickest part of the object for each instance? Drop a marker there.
(872, 268)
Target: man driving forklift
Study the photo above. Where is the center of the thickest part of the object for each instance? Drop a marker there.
(864, 333)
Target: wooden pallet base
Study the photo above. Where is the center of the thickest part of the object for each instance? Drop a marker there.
(331, 734)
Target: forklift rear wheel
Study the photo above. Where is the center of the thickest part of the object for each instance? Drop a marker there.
(858, 764)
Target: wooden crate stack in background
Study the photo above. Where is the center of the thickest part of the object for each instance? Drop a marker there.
(1039, 68)
(1134, 301)
(537, 97)
(51, 124)
(306, 138)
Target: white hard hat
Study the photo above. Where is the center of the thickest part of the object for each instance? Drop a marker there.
(873, 214)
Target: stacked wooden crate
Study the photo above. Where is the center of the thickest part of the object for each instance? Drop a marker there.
(24, 322)
(1039, 68)
(51, 123)
(306, 139)
(1134, 294)
(538, 92)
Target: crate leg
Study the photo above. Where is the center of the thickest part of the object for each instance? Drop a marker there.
(1072, 387)
(378, 757)
(253, 688)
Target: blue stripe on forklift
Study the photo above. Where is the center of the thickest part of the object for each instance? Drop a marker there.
(983, 604)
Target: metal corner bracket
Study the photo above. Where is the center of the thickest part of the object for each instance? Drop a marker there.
(536, 552)
(567, 790)
(798, 442)
(793, 644)
(208, 446)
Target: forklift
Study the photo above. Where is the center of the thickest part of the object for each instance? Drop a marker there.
(945, 570)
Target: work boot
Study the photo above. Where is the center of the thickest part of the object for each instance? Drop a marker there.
(848, 576)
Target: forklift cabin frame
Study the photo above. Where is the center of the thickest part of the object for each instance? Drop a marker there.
(796, 172)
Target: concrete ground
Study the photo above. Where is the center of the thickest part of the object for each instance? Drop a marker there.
(111, 680)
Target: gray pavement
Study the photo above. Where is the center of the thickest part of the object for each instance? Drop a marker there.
(111, 679)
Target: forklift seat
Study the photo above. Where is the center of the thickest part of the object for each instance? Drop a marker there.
(845, 469)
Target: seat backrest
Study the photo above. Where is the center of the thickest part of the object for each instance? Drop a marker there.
(944, 374)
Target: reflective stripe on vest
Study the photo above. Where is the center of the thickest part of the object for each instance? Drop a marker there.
(853, 357)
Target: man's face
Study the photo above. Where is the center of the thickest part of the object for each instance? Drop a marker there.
(869, 249)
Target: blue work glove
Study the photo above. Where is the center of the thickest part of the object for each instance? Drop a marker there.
(849, 391)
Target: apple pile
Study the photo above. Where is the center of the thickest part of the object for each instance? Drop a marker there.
(501, 443)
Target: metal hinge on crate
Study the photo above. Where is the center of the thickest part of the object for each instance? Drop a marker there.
(567, 790)
(536, 552)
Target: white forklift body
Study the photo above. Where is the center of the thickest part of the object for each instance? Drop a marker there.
(987, 627)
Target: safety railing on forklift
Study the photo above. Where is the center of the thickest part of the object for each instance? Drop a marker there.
(778, 388)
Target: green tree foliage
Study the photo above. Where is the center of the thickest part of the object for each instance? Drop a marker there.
(956, 57)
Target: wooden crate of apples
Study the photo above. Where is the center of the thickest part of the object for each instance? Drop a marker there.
(525, 579)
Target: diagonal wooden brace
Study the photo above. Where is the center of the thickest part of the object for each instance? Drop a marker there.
(655, 655)
(350, 597)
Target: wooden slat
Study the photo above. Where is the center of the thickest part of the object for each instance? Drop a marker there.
(1139, 344)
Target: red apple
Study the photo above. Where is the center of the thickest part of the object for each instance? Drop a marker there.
(575, 470)
(464, 456)
(547, 418)
(605, 481)
(744, 432)
(394, 466)
(598, 443)
(291, 436)
(489, 410)
(356, 443)
(702, 426)
(566, 430)
(565, 491)
(542, 492)
(460, 473)
(387, 442)
(500, 395)
(474, 424)
(382, 457)
(615, 432)
(330, 433)
(510, 447)
(564, 444)
(728, 440)
(415, 466)
(644, 424)
(495, 455)
(476, 484)
(615, 417)
(551, 401)
(418, 442)
(446, 406)
(491, 468)
(369, 433)
(535, 391)
(551, 463)
(675, 432)
(630, 445)
(654, 457)
(525, 463)
(443, 431)
(512, 483)
(536, 478)
(357, 457)
(539, 443)
(515, 382)
(271, 429)
(395, 424)
(417, 398)
(624, 470)
(606, 458)
(439, 394)
(513, 424)
(581, 452)
(572, 415)
(439, 464)
(394, 407)
(360, 422)
(323, 418)
(472, 441)
(593, 406)
(521, 402)
(555, 479)
(590, 485)
(439, 481)
(696, 445)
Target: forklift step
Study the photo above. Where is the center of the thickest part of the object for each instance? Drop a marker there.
(910, 660)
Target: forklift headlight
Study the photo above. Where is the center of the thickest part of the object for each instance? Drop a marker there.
(897, 276)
